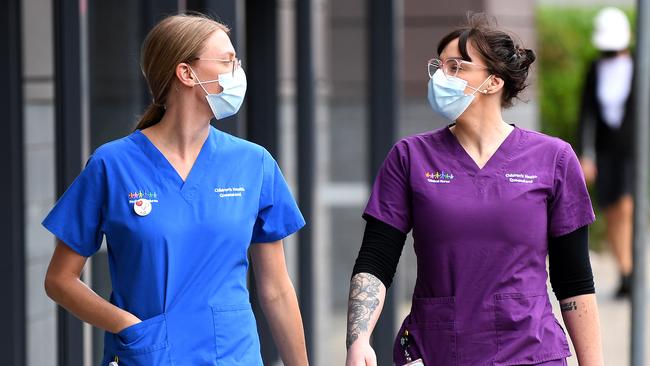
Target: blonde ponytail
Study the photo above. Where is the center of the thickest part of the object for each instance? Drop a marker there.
(152, 115)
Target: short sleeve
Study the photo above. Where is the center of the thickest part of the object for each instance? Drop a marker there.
(76, 219)
(390, 197)
(278, 215)
(570, 206)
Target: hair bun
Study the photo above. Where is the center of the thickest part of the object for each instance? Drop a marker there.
(523, 56)
(529, 57)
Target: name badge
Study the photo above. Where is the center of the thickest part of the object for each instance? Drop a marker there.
(142, 207)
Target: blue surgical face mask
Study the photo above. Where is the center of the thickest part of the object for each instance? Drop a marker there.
(228, 102)
(447, 95)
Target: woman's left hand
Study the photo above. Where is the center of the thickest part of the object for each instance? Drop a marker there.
(278, 300)
(580, 314)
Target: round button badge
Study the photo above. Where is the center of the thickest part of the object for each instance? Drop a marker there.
(142, 207)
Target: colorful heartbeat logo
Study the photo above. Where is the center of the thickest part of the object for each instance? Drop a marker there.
(151, 196)
(439, 177)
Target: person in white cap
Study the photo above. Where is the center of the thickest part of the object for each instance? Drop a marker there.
(605, 135)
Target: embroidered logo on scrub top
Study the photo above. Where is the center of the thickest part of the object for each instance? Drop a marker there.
(521, 178)
(439, 177)
(151, 196)
(230, 192)
(142, 202)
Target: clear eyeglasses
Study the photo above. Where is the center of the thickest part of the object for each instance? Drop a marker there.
(451, 66)
(236, 63)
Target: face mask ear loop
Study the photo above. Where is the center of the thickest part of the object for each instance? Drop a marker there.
(480, 86)
(199, 83)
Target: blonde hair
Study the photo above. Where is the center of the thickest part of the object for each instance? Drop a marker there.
(175, 39)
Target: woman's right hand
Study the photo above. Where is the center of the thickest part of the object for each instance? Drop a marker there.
(63, 285)
(361, 353)
(128, 321)
(589, 169)
(367, 294)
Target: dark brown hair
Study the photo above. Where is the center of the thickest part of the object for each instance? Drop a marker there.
(175, 39)
(503, 56)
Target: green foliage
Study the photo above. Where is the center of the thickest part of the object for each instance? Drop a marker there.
(564, 51)
(564, 54)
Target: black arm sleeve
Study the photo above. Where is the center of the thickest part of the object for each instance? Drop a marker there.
(569, 266)
(380, 250)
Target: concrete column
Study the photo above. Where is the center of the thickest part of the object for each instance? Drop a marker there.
(38, 61)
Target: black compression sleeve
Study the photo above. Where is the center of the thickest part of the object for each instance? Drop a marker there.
(569, 266)
(380, 250)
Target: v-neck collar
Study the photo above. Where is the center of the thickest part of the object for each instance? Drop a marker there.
(166, 171)
(501, 154)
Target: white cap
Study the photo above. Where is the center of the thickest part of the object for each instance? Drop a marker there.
(612, 30)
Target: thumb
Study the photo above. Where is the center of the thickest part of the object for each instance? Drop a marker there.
(371, 359)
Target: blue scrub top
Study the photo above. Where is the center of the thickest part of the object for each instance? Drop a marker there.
(182, 267)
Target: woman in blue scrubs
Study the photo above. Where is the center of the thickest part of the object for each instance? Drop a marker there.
(179, 203)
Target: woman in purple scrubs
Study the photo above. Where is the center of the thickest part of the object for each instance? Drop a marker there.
(486, 202)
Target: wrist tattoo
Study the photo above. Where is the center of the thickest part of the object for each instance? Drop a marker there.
(362, 303)
(568, 306)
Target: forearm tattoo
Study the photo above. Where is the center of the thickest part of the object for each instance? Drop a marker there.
(568, 306)
(362, 303)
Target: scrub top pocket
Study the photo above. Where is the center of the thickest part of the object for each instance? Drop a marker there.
(432, 332)
(525, 334)
(141, 344)
(235, 331)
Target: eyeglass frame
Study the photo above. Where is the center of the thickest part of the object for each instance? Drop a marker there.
(236, 62)
(458, 61)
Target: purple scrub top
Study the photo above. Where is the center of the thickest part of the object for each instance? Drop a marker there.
(481, 240)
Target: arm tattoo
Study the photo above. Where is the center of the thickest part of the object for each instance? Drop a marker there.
(568, 306)
(363, 301)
